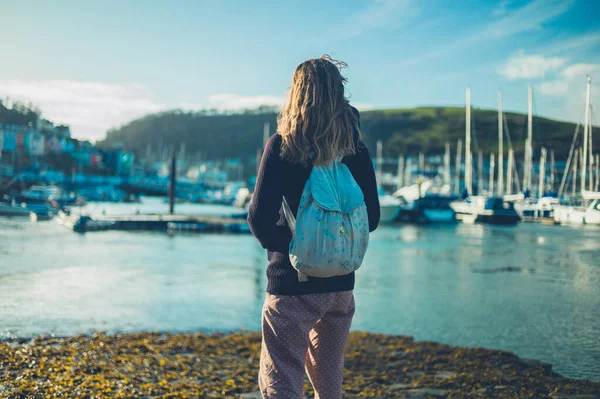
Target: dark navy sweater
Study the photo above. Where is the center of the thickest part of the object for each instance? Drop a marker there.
(277, 178)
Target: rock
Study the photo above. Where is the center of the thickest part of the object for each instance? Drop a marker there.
(536, 363)
(445, 374)
(425, 393)
(251, 395)
(400, 386)
(399, 354)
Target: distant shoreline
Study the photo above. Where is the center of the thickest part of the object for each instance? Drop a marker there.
(224, 365)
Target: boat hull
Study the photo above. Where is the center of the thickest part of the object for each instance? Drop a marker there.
(499, 219)
(389, 213)
(486, 210)
(425, 216)
(14, 211)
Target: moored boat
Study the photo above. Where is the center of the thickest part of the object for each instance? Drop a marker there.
(432, 208)
(492, 210)
(13, 210)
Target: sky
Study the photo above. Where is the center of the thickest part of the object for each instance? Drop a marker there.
(99, 64)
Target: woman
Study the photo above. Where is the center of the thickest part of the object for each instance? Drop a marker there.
(305, 324)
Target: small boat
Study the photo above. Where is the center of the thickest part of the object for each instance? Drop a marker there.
(41, 211)
(564, 214)
(492, 210)
(542, 209)
(432, 208)
(592, 213)
(13, 210)
(389, 206)
(46, 194)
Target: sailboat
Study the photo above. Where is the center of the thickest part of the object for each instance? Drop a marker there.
(531, 209)
(389, 205)
(481, 209)
(589, 214)
(427, 201)
(592, 213)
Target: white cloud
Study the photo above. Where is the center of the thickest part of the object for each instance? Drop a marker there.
(521, 66)
(379, 13)
(571, 87)
(90, 108)
(580, 70)
(571, 80)
(555, 88)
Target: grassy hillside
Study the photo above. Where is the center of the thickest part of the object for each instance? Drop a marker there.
(403, 131)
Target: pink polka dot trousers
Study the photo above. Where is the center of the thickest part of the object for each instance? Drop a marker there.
(304, 332)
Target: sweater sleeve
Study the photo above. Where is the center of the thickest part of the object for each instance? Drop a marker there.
(263, 213)
(364, 174)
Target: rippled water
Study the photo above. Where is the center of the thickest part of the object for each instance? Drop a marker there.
(531, 289)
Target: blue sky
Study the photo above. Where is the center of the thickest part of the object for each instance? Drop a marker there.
(96, 65)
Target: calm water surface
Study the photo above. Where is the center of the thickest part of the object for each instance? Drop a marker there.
(531, 289)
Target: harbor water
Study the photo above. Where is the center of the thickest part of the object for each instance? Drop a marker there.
(531, 289)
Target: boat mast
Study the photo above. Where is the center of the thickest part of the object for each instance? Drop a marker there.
(408, 171)
(586, 132)
(479, 172)
(591, 178)
(457, 167)
(528, 142)
(400, 172)
(500, 149)
(568, 166)
(552, 171)
(526, 168)
(509, 171)
(379, 162)
(447, 164)
(575, 160)
(542, 173)
(492, 166)
(468, 165)
(597, 172)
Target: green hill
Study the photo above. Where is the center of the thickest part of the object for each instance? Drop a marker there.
(403, 131)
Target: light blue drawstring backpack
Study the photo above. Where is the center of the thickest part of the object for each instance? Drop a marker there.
(330, 233)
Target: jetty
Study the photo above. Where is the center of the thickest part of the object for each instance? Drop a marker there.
(158, 222)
